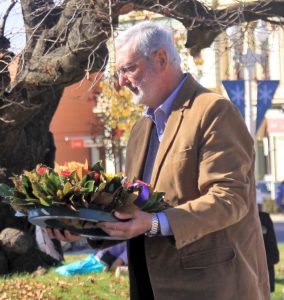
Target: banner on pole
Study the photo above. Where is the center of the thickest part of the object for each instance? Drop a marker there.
(265, 93)
(236, 92)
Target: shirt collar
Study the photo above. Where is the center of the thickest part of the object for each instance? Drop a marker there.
(166, 107)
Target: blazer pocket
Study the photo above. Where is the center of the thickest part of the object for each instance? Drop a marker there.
(208, 259)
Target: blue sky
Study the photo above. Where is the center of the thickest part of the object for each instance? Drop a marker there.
(14, 29)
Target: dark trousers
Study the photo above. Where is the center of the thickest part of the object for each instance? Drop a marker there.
(140, 285)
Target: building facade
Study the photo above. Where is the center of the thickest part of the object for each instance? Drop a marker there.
(73, 124)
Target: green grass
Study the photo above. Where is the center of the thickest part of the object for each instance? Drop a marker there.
(279, 270)
(97, 286)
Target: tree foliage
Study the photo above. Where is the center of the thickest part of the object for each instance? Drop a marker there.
(118, 113)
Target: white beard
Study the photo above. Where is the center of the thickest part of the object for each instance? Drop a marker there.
(145, 90)
(138, 98)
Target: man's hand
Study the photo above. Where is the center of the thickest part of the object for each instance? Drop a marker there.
(67, 236)
(139, 223)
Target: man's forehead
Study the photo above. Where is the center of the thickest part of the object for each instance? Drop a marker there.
(125, 55)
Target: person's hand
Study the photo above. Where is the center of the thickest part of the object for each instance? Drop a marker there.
(66, 236)
(117, 263)
(138, 223)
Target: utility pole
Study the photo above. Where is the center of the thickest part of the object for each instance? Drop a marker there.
(248, 61)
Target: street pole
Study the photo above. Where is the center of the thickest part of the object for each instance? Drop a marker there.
(248, 61)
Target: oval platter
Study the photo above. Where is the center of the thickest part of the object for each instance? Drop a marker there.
(82, 222)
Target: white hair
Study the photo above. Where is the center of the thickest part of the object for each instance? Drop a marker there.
(148, 36)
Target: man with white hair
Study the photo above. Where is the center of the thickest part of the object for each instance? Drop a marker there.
(193, 145)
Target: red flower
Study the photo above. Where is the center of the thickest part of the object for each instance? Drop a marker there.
(97, 176)
(118, 133)
(127, 184)
(42, 170)
(65, 173)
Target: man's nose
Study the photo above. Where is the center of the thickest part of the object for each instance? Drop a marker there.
(122, 79)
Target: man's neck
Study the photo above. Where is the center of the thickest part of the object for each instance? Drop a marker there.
(170, 84)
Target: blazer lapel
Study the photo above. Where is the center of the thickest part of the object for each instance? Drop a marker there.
(187, 93)
(137, 148)
(171, 130)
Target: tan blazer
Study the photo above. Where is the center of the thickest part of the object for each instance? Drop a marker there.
(205, 164)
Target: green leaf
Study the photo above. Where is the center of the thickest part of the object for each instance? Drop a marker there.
(88, 177)
(84, 179)
(18, 198)
(67, 188)
(74, 176)
(39, 192)
(55, 180)
(22, 196)
(5, 190)
(27, 186)
(43, 202)
(155, 203)
(102, 186)
(113, 185)
(110, 188)
(50, 185)
(151, 201)
(84, 190)
(90, 186)
(97, 167)
(59, 194)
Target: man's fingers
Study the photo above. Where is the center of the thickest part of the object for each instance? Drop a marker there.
(71, 237)
(123, 216)
(133, 225)
(67, 236)
(59, 235)
(114, 228)
(106, 226)
(50, 233)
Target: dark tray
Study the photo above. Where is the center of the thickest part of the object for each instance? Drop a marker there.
(78, 222)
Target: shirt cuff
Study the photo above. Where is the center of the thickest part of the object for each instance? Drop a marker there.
(165, 226)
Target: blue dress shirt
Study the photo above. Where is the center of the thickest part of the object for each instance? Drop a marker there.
(159, 116)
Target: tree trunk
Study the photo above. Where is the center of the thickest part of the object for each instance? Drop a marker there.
(24, 139)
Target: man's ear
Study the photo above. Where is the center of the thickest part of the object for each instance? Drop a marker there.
(162, 58)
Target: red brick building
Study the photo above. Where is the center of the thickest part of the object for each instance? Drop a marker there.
(73, 124)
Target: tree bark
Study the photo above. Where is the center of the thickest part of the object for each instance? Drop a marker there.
(60, 48)
(66, 41)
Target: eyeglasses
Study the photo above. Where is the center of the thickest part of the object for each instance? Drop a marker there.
(131, 68)
(127, 71)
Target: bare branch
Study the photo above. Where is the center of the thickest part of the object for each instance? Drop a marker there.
(66, 40)
(6, 14)
(62, 54)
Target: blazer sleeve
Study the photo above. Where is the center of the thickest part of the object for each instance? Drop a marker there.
(225, 176)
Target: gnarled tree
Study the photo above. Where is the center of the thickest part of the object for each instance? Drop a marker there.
(67, 39)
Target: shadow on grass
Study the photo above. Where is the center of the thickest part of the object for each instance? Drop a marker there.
(279, 280)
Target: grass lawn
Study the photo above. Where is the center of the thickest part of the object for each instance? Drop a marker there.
(96, 286)
(279, 270)
(50, 286)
